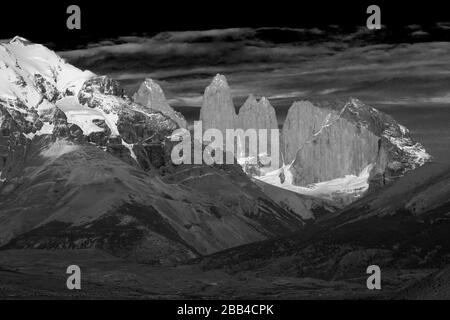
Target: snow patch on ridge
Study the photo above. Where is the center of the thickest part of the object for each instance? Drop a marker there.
(47, 128)
(130, 147)
(58, 148)
(83, 116)
(414, 151)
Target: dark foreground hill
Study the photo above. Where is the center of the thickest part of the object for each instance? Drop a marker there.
(401, 227)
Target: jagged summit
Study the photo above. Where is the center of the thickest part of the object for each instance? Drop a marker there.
(264, 101)
(217, 110)
(252, 101)
(46, 98)
(153, 86)
(35, 75)
(219, 81)
(387, 128)
(330, 140)
(249, 101)
(257, 114)
(151, 95)
(152, 90)
(356, 102)
(324, 140)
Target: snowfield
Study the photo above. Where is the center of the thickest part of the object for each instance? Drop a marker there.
(58, 148)
(350, 184)
(20, 61)
(83, 116)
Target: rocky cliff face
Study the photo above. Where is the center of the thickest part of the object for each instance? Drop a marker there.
(257, 114)
(135, 131)
(323, 145)
(325, 141)
(151, 95)
(337, 150)
(217, 110)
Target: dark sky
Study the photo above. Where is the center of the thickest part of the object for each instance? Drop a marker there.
(45, 21)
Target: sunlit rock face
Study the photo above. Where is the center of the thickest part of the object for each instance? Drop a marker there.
(217, 110)
(152, 96)
(325, 141)
(257, 114)
(302, 121)
(319, 141)
(324, 146)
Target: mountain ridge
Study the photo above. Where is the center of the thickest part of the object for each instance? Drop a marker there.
(83, 165)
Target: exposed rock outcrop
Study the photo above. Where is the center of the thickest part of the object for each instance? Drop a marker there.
(320, 141)
(217, 110)
(326, 146)
(151, 95)
(257, 114)
(138, 127)
(325, 141)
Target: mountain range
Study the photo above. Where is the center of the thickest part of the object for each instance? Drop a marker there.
(83, 166)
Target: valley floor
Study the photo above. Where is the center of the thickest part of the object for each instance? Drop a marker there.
(41, 274)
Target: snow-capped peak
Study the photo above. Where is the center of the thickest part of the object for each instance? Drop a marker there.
(27, 67)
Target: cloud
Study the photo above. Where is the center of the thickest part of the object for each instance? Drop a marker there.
(186, 101)
(287, 95)
(441, 99)
(419, 100)
(283, 64)
(443, 25)
(215, 35)
(414, 27)
(329, 91)
(420, 33)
